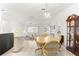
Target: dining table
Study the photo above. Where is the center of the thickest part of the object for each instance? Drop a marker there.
(42, 40)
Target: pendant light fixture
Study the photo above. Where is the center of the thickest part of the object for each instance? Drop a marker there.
(46, 14)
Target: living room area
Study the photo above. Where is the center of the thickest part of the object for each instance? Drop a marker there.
(37, 29)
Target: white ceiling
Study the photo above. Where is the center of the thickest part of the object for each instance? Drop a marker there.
(31, 12)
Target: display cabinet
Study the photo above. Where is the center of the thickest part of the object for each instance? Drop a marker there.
(73, 34)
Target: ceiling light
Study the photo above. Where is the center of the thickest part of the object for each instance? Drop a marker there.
(46, 14)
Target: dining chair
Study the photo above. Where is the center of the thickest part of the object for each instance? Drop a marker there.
(51, 46)
(38, 44)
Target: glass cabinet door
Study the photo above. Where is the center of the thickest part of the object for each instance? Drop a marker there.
(71, 33)
(77, 30)
(72, 23)
(77, 27)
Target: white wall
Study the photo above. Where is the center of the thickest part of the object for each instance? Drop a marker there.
(13, 23)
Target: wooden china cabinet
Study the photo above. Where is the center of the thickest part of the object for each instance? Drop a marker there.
(73, 34)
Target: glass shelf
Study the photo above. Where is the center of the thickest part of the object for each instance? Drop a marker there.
(72, 26)
(77, 30)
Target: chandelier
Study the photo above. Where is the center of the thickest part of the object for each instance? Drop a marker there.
(46, 14)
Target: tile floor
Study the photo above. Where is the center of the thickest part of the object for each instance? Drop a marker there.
(24, 47)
